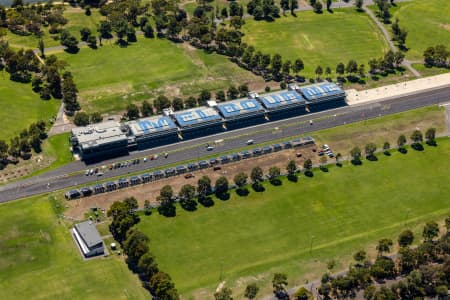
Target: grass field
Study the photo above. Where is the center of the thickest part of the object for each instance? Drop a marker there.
(39, 259)
(298, 227)
(112, 77)
(21, 106)
(76, 20)
(427, 23)
(324, 39)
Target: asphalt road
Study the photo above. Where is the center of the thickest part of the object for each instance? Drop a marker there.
(191, 149)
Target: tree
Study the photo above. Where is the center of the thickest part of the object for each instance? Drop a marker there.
(81, 119)
(291, 167)
(318, 7)
(279, 283)
(146, 109)
(92, 42)
(85, 33)
(204, 186)
(96, 117)
(405, 238)
(274, 173)
(220, 96)
(132, 112)
(204, 96)
(135, 246)
(276, 63)
(384, 246)
(293, 5)
(401, 141)
(186, 195)
(303, 294)
(307, 165)
(430, 231)
(370, 150)
(165, 199)
(298, 66)
(328, 72)
(41, 47)
(428, 56)
(177, 104)
(162, 287)
(284, 5)
(221, 186)
(256, 175)
(243, 90)
(147, 266)
(430, 136)
(355, 153)
(161, 102)
(323, 162)
(319, 71)
(416, 136)
(251, 290)
(360, 256)
(329, 2)
(148, 30)
(386, 147)
(359, 4)
(69, 41)
(224, 294)
(383, 268)
(232, 92)
(338, 158)
(340, 69)
(240, 179)
(352, 67)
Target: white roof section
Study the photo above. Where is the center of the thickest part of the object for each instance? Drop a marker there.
(98, 134)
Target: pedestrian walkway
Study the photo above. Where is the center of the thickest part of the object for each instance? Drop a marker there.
(397, 90)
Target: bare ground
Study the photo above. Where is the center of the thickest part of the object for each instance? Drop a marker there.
(151, 190)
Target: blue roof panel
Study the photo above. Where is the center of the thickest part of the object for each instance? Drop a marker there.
(239, 107)
(317, 91)
(197, 116)
(154, 124)
(282, 98)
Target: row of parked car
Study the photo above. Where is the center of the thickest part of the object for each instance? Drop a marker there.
(183, 169)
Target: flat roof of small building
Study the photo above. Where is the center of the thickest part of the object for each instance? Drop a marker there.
(239, 107)
(279, 99)
(321, 90)
(100, 133)
(88, 233)
(196, 116)
(151, 125)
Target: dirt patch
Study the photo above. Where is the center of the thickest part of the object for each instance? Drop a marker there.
(445, 26)
(150, 191)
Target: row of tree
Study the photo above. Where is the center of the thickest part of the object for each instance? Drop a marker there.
(135, 245)
(416, 143)
(22, 144)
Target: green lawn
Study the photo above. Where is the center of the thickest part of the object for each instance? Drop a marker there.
(39, 259)
(112, 77)
(21, 106)
(318, 39)
(427, 23)
(248, 238)
(76, 20)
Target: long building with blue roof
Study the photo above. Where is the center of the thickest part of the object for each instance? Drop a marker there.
(153, 131)
(323, 95)
(198, 121)
(283, 104)
(241, 112)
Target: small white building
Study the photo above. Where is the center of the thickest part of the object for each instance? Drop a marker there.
(88, 239)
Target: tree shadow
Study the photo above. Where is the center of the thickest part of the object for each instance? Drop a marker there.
(167, 210)
(276, 182)
(339, 164)
(431, 143)
(417, 146)
(402, 150)
(72, 50)
(223, 196)
(258, 187)
(242, 192)
(309, 173)
(324, 169)
(292, 177)
(372, 158)
(206, 201)
(387, 153)
(356, 162)
(189, 205)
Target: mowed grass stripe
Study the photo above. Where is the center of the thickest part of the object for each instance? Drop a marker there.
(20, 106)
(254, 234)
(324, 40)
